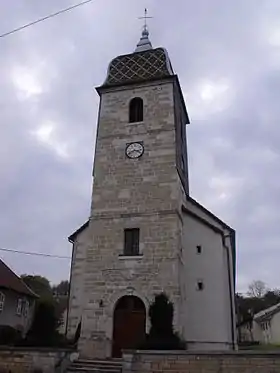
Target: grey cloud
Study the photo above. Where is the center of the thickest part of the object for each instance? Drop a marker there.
(233, 151)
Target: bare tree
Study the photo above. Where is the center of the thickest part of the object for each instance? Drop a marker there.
(257, 289)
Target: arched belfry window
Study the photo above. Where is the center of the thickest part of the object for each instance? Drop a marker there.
(136, 110)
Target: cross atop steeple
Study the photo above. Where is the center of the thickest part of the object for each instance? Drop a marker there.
(144, 42)
(145, 19)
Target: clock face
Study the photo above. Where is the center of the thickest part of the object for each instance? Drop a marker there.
(134, 150)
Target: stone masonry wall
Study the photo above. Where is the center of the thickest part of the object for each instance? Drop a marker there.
(184, 362)
(113, 276)
(149, 183)
(139, 193)
(27, 360)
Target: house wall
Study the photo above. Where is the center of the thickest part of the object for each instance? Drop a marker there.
(9, 315)
(275, 328)
(207, 314)
(267, 331)
(257, 332)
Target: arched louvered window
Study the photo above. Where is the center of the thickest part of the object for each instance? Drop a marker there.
(136, 110)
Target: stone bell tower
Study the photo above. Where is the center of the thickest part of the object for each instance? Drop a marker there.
(140, 171)
(132, 248)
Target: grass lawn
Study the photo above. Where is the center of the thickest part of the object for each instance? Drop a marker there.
(266, 347)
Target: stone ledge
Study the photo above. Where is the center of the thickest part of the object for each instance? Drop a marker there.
(26, 359)
(130, 257)
(36, 349)
(238, 353)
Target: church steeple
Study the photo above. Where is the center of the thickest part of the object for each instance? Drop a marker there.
(144, 226)
(144, 43)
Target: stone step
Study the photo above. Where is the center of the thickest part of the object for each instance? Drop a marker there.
(101, 367)
(107, 362)
(92, 369)
(96, 366)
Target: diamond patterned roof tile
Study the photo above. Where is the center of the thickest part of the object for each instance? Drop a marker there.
(153, 63)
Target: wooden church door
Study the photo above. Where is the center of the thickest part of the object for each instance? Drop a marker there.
(129, 324)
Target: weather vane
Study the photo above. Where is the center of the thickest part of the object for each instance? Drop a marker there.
(145, 19)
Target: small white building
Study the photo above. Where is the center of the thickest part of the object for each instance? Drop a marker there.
(266, 325)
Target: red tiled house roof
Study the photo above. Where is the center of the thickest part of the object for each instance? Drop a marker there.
(9, 280)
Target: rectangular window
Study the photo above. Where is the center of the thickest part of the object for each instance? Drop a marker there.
(19, 307)
(2, 301)
(26, 308)
(131, 241)
(200, 285)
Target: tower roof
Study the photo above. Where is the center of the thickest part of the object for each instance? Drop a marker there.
(9, 280)
(145, 63)
(139, 66)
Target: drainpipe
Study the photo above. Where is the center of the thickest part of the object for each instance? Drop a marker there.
(69, 290)
(232, 301)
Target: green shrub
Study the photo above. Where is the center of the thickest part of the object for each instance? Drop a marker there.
(162, 335)
(43, 331)
(37, 370)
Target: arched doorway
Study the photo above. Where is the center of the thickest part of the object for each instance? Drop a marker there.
(129, 324)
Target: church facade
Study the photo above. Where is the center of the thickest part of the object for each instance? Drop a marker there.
(146, 234)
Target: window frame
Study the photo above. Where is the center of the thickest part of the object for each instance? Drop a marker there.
(26, 308)
(136, 110)
(19, 306)
(199, 249)
(200, 285)
(131, 242)
(2, 301)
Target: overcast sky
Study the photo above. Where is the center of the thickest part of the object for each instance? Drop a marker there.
(227, 56)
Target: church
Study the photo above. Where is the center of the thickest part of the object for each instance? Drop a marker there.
(146, 234)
